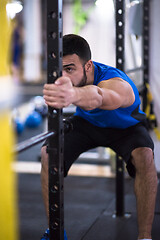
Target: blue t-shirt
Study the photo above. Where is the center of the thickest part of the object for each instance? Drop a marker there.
(120, 117)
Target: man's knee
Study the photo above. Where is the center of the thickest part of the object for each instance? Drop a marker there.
(142, 159)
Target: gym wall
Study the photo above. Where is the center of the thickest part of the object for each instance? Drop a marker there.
(155, 55)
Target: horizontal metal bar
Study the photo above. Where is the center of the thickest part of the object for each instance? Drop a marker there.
(134, 69)
(32, 141)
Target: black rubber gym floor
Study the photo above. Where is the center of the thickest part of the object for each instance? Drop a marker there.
(89, 206)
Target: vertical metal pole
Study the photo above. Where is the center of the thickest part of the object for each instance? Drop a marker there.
(55, 121)
(120, 14)
(119, 187)
(145, 49)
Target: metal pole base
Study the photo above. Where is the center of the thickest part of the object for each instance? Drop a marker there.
(125, 215)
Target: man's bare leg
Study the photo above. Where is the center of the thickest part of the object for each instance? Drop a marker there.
(44, 179)
(145, 190)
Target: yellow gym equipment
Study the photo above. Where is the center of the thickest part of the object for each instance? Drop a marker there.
(8, 206)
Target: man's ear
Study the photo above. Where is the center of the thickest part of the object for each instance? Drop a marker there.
(89, 66)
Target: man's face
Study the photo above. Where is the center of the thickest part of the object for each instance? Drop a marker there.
(74, 69)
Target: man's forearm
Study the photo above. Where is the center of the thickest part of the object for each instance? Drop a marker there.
(88, 97)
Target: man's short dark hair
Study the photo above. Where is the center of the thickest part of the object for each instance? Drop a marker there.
(74, 44)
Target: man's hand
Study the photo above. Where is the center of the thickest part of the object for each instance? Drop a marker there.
(59, 94)
(62, 93)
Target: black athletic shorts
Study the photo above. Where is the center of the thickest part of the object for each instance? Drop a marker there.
(85, 136)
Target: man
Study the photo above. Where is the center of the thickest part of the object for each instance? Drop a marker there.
(108, 114)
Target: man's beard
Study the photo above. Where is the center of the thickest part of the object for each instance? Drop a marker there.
(84, 79)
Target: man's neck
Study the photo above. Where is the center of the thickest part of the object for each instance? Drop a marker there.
(90, 77)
